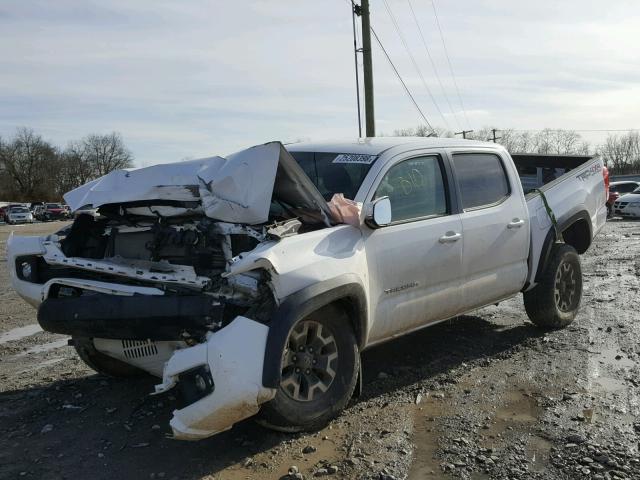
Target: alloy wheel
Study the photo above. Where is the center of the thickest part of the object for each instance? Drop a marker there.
(310, 361)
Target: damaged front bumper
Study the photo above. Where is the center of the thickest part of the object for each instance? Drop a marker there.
(220, 379)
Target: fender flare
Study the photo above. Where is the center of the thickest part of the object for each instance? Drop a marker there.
(550, 238)
(301, 304)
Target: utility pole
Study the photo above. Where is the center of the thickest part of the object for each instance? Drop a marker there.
(355, 10)
(370, 122)
(464, 133)
(494, 130)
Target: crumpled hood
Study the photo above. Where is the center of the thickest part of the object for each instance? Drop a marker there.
(236, 189)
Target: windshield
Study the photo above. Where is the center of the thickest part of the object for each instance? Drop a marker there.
(53, 205)
(637, 190)
(19, 210)
(335, 172)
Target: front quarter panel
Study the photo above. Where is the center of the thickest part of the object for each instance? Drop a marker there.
(302, 260)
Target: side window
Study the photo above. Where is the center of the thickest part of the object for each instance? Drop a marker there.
(415, 188)
(481, 177)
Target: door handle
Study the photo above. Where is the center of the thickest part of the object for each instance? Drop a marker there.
(516, 223)
(450, 237)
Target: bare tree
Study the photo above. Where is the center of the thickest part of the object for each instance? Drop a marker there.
(547, 141)
(106, 153)
(32, 169)
(423, 131)
(28, 162)
(622, 153)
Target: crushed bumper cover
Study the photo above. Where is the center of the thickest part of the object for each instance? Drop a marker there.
(232, 359)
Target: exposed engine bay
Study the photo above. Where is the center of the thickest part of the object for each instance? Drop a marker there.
(185, 259)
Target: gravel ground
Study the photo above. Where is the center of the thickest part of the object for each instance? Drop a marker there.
(481, 397)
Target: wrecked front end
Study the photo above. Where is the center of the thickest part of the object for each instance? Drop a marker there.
(150, 279)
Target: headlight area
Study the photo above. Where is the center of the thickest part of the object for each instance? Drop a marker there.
(220, 380)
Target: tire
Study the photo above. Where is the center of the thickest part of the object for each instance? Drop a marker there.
(296, 407)
(554, 302)
(102, 363)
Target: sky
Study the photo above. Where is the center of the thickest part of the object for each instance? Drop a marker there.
(187, 79)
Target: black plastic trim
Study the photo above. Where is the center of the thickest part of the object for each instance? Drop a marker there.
(300, 305)
(139, 317)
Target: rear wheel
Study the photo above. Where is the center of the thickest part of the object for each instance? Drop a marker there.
(102, 363)
(320, 368)
(554, 302)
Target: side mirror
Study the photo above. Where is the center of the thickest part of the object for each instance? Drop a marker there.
(380, 213)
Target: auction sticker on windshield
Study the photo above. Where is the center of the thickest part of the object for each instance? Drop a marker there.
(355, 158)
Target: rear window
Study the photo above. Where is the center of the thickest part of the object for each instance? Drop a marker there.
(482, 179)
(53, 205)
(335, 172)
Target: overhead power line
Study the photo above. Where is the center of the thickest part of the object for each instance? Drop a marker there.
(413, 61)
(446, 53)
(433, 65)
(574, 129)
(404, 85)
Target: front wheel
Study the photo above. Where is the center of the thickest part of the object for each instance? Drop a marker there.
(320, 368)
(554, 302)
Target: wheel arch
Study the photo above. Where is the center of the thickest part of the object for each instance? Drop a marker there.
(576, 231)
(346, 291)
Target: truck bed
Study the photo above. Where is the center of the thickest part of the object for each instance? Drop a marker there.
(573, 187)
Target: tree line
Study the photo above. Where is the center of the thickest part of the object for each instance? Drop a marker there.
(33, 169)
(621, 153)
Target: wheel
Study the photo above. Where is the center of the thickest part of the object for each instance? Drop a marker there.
(320, 368)
(554, 302)
(102, 363)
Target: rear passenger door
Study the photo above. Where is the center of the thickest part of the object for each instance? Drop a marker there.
(495, 227)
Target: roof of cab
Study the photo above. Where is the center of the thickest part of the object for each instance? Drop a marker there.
(377, 145)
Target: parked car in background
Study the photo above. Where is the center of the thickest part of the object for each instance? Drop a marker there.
(616, 189)
(19, 214)
(628, 205)
(54, 211)
(38, 212)
(33, 205)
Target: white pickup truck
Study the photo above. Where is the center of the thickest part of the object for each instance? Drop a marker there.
(234, 280)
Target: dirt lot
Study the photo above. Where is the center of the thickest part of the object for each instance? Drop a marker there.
(482, 396)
